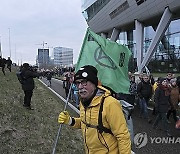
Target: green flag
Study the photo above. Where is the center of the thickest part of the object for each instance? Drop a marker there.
(110, 59)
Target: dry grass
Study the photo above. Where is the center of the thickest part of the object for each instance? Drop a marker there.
(25, 131)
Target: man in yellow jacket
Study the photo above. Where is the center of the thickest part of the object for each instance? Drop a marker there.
(109, 137)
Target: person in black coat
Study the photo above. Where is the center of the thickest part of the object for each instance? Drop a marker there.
(9, 63)
(3, 64)
(28, 83)
(49, 77)
(67, 84)
(144, 91)
(162, 104)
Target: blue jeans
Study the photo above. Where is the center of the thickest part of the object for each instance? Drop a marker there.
(76, 99)
(143, 108)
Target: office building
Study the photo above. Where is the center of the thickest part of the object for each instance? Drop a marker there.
(43, 58)
(63, 56)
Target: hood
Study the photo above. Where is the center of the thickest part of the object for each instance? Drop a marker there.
(97, 99)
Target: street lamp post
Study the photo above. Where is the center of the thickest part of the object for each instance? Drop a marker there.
(9, 44)
(0, 47)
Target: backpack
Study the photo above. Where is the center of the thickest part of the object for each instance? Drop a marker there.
(127, 110)
(20, 77)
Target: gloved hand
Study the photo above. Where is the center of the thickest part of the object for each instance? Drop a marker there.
(64, 118)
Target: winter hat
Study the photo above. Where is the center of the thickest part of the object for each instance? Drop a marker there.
(87, 72)
(26, 65)
(162, 79)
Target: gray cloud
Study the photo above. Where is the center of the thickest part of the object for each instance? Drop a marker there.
(57, 22)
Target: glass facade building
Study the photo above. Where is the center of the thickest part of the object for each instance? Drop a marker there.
(63, 56)
(166, 57)
(103, 15)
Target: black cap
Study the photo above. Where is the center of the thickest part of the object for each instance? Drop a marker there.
(87, 72)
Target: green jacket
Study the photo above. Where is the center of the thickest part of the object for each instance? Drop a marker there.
(112, 118)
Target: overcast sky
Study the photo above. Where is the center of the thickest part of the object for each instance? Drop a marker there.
(30, 22)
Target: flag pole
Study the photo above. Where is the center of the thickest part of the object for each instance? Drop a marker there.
(60, 126)
(147, 70)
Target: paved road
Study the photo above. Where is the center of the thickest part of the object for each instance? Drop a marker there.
(56, 85)
(155, 142)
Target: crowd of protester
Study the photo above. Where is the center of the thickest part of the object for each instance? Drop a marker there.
(66, 75)
(67, 81)
(162, 94)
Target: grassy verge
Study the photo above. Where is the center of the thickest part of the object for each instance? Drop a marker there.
(25, 131)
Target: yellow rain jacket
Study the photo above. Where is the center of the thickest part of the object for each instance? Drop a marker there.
(112, 118)
(155, 86)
